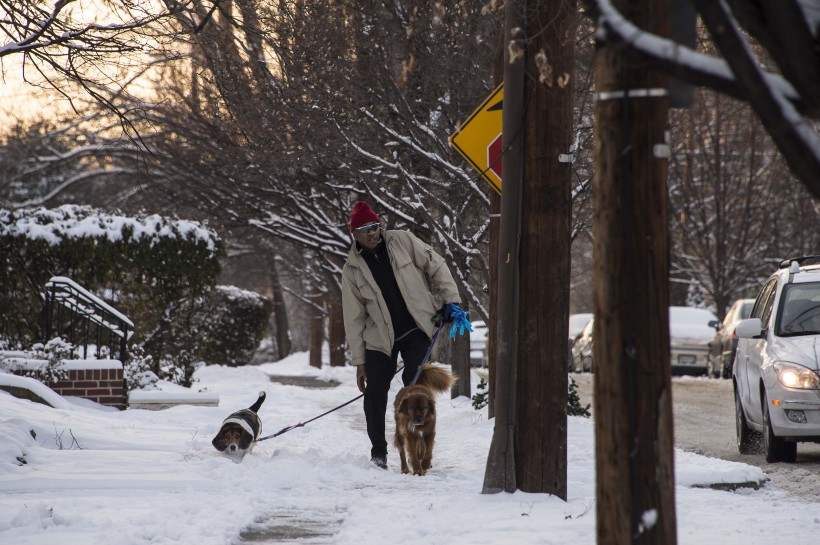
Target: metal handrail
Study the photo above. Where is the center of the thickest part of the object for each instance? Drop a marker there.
(85, 309)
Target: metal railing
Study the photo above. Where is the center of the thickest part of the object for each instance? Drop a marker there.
(81, 318)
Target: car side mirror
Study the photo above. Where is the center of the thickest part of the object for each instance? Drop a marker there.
(749, 329)
(715, 324)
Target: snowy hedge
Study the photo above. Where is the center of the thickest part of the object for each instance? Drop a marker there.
(233, 325)
(150, 267)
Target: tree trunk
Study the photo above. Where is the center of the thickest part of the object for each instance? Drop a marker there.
(492, 324)
(633, 402)
(336, 331)
(317, 330)
(280, 314)
(500, 472)
(461, 364)
(492, 273)
(544, 269)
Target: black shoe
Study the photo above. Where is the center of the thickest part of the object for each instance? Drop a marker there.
(379, 461)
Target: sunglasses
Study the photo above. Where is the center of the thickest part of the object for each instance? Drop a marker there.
(368, 228)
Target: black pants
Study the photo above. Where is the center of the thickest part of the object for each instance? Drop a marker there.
(380, 369)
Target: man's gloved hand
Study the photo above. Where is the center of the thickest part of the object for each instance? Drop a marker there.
(451, 313)
(444, 315)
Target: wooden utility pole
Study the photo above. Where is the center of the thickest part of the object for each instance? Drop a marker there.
(528, 451)
(492, 323)
(544, 264)
(500, 473)
(633, 398)
(495, 228)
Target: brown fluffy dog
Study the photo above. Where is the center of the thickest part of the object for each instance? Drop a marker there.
(415, 412)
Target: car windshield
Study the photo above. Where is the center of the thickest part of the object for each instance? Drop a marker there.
(800, 314)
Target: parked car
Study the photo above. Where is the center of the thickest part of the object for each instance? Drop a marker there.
(576, 325)
(690, 332)
(724, 343)
(478, 344)
(582, 349)
(776, 373)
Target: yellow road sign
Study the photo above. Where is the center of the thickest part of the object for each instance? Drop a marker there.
(479, 138)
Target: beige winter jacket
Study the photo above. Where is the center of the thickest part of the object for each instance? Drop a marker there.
(425, 283)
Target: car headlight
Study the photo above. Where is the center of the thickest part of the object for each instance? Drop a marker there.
(797, 376)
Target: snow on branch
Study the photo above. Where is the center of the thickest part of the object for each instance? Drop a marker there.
(774, 99)
(674, 59)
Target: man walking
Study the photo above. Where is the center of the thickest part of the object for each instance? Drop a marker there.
(395, 290)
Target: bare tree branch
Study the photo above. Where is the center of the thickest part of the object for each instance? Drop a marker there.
(776, 100)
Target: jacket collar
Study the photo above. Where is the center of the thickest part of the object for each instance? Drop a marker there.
(356, 250)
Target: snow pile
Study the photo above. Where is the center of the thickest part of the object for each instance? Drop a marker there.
(152, 477)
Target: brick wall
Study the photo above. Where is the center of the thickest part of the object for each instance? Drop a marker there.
(102, 382)
(105, 386)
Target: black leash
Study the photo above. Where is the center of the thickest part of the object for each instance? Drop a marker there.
(346, 403)
(426, 356)
(300, 424)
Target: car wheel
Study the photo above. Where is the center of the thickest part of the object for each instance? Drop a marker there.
(789, 452)
(775, 449)
(726, 368)
(748, 440)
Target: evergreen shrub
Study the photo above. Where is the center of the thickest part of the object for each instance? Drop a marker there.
(234, 323)
(153, 269)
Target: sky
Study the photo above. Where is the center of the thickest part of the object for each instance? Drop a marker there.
(137, 477)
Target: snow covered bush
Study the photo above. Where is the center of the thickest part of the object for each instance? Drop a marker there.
(179, 368)
(574, 407)
(233, 325)
(137, 371)
(151, 268)
(54, 352)
(482, 397)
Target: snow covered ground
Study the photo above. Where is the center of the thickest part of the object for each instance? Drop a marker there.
(93, 475)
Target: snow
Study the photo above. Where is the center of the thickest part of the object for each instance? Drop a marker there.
(139, 477)
(13, 362)
(652, 46)
(687, 323)
(86, 295)
(577, 322)
(74, 221)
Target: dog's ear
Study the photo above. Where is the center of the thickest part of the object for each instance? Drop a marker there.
(403, 405)
(431, 407)
(246, 441)
(219, 441)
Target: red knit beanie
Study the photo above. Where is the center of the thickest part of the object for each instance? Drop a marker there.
(361, 215)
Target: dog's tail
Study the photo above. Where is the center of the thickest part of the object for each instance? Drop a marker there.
(255, 406)
(436, 378)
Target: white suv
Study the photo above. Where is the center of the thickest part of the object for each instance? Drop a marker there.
(775, 373)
